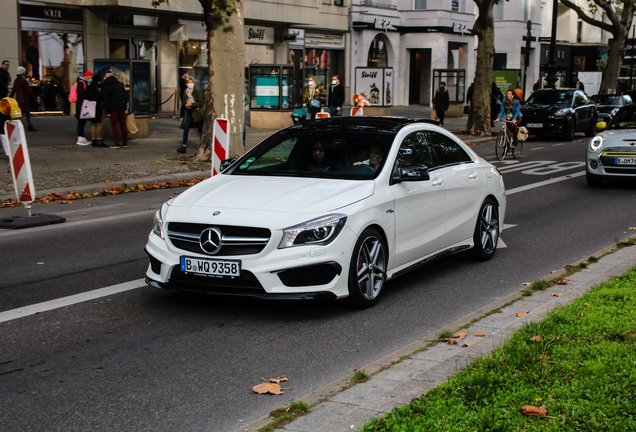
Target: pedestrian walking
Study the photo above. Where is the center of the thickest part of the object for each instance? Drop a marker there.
(336, 97)
(23, 95)
(5, 79)
(115, 105)
(182, 87)
(94, 93)
(312, 95)
(441, 102)
(81, 84)
(193, 102)
(580, 85)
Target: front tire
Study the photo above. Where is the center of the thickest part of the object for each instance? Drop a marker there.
(486, 233)
(500, 146)
(367, 270)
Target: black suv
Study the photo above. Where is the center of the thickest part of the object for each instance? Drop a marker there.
(562, 111)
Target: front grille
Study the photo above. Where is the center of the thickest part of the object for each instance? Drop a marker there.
(237, 240)
(247, 283)
(609, 155)
(620, 170)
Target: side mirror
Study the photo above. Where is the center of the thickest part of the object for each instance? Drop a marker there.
(226, 163)
(411, 173)
(601, 126)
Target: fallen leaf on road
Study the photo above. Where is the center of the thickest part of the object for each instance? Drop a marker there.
(563, 281)
(527, 283)
(451, 341)
(480, 334)
(106, 181)
(467, 344)
(530, 410)
(537, 338)
(554, 271)
(520, 314)
(84, 214)
(89, 205)
(65, 202)
(271, 388)
(156, 163)
(568, 175)
(557, 294)
(631, 228)
(460, 335)
(279, 379)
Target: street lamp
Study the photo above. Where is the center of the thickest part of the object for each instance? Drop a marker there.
(552, 66)
(527, 54)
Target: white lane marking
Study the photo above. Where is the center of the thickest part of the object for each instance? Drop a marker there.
(544, 183)
(70, 300)
(536, 148)
(501, 244)
(506, 226)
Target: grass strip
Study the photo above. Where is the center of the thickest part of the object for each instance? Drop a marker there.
(583, 371)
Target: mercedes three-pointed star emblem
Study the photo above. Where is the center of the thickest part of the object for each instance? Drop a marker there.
(210, 240)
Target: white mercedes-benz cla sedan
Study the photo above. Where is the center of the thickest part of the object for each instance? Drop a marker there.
(329, 209)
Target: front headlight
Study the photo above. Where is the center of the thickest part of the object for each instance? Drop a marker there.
(614, 111)
(596, 142)
(320, 231)
(561, 112)
(158, 226)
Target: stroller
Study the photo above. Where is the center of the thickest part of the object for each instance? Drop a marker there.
(299, 115)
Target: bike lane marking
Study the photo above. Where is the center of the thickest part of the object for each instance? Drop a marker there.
(543, 183)
(70, 300)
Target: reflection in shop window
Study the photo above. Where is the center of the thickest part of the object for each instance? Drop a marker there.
(193, 53)
(378, 56)
(318, 64)
(53, 60)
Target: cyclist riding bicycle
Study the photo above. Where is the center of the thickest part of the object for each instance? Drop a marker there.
(510, 111)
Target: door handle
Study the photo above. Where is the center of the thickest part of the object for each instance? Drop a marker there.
(437, 181)
(472, 175)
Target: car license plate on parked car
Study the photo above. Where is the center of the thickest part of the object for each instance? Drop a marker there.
(534, 125)
(209, 267)
(626, 161)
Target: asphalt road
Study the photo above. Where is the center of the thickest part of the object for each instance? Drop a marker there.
(148, 360)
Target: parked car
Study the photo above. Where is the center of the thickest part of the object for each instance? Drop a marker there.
(562, 111)
(608, 105)
(329, 209)
(612, 153)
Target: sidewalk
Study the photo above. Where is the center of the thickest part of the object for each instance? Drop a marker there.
(59, 165)
(410, 372)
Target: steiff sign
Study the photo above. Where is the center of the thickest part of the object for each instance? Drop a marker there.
(259, 35)
(382, 24)
(375, 84)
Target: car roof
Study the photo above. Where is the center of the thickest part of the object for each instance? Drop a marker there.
(391, 123)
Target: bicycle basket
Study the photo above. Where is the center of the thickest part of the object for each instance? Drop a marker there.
(522, 134)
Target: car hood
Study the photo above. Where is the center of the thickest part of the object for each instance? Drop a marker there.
(275, 194)
(541, 109)
(619, 137)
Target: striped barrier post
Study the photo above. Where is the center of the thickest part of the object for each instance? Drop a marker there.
(221, 143)
(20, 162)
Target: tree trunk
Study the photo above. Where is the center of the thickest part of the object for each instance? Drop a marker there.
(224, 96)
(479, 117)
(614, 63)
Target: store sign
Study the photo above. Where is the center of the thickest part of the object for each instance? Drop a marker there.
(388, 87)
(382, 24)
(460, 28)
(51, 13)
(259, 35)
(299, 43)
(370, 83)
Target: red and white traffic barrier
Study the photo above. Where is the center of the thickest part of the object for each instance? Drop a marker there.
(220, 143)
(20, 162)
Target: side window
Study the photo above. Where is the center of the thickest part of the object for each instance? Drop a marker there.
(415, 150)
(447, 150)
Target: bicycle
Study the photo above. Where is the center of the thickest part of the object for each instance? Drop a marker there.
(505, 142)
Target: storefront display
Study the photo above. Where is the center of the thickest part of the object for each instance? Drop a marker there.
(375, 84)
(271, 87)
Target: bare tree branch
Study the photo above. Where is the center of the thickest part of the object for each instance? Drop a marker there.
(588, 19)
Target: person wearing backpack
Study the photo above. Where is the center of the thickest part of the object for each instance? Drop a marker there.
(77, 93)
(115, 106)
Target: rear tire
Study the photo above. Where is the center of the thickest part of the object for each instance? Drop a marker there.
(500, 146)
(486, 234)
(367, 269)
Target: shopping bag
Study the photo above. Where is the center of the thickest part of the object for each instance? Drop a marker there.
(130, 123)
(314, 103)
(198, 116)
(88, 110)
(433, 115)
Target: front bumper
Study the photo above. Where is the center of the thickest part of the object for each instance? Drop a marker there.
(302, 272)
(548, 125)
(604, 163)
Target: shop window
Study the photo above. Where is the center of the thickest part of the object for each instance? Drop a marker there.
(455, 80)
(53, 59)
(498, 11)
(119, 49)
(419, 5)
(193, 53)
(338, 3)
(378, 56)
(318, 64)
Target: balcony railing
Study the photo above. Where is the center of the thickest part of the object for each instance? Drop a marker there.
(369, 3)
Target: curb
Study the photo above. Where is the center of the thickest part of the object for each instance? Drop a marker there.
(100, 187)
(336, 408)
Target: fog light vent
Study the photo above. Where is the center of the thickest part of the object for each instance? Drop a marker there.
(593, 164)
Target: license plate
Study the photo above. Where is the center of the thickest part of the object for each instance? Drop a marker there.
(208, 267)
(626, 161)
(534, 125)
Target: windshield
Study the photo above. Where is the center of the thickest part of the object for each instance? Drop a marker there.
(625, 118)
(607, 100)
(335, 152)
(551, 97)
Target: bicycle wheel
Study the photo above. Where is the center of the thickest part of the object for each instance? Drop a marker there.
(501, 147)
(516, 149)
